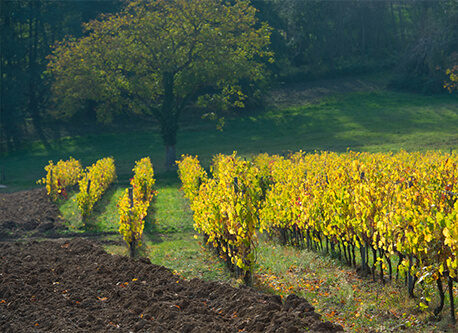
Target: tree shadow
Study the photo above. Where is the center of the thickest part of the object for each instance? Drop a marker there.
(151, 230)
(103, 217)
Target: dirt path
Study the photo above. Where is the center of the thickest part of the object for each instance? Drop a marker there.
(28, 213)
(312, 92)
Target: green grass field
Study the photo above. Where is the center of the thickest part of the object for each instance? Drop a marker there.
(361, 121)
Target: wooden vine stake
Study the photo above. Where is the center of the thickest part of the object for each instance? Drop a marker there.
(51, 185)
(452, 303)
(88, 189)
(410, 278)
(133, 240)
(246, 275)
(362, 249)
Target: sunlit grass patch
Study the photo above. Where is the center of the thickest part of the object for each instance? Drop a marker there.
(183, 254)
(377, 121)
(171, 211)
(340, 294)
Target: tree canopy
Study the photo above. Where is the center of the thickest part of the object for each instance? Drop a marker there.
(452, 84)
(159, 57)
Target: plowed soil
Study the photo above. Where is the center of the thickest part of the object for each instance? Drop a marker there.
(28, 213)
(75, 286)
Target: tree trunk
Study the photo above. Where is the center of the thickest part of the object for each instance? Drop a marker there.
(132, 248)
(170, 156)
(168, 118)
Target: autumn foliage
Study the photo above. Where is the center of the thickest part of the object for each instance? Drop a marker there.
(192, 175)
(452, 84)
(133, 207)
(60, 176)
(93, 184)
(385, 205)
(390, 206)
(225, 207)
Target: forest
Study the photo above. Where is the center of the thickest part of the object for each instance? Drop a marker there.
(415, 39)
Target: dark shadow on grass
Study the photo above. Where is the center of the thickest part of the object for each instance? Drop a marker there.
(93, 224)
(167, 178)
(151, 230)
(272, 134)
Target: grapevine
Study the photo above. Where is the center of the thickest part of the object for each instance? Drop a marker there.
(60, 176)
(225, 209)
(95, 181)
(396, 205)
(383, 205)
(192, 175)
(133, 205)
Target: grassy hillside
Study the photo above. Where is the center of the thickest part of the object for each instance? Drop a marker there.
(361, 121)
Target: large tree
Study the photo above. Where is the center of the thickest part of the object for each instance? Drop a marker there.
(159, 57)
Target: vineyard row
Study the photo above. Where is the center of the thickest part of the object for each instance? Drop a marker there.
(389, 205)
(93, 183)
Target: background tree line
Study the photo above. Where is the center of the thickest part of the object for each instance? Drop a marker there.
(328, 38)
(29, 28)
(313, 39)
